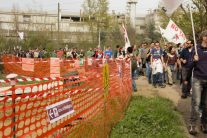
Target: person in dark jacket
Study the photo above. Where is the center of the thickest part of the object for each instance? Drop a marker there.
(133, 67)
(199, 86)
(186, 59)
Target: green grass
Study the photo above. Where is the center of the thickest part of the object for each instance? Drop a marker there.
(150, 118)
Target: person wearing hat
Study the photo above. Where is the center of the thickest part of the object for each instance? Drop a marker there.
(199, 86)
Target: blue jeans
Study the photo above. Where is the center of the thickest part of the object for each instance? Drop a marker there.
(186, 80)
(199, 100)
(136, 74)
(134, 85)
(149, 72)
(165, 76)
(178, 75)
(158, 79)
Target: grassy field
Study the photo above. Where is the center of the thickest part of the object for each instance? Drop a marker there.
(150, 118)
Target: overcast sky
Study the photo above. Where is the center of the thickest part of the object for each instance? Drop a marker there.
(75, 5)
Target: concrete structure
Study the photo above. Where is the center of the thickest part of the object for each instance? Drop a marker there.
(140, 25)
(71, 24)
(152, 16)
(131, 9)
(143, 21)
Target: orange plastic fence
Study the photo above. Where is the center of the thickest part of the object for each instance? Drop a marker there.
(23, 108)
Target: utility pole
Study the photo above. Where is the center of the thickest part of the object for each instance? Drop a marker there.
(58, 22)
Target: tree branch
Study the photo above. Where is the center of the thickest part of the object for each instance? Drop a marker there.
(185, 12)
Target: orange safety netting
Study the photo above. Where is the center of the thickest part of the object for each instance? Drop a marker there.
(13, 64)
(96, 107)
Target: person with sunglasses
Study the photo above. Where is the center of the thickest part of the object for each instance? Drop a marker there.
(186, 63)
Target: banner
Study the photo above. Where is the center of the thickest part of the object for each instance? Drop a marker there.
(28, 64)
(174, 34)
(54, 67)
(169, 6)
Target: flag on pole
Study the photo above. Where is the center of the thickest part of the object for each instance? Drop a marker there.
(21, 35)
(162, 31)
(127, 42)
(174, 34)
(169, 6)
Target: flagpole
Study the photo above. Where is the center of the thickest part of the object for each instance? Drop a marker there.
(99, 39)
(193, 28)
(162, 36)
(163, 39)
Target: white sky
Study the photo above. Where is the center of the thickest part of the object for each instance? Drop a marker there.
(75, 5)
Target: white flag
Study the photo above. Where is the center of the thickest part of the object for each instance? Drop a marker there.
(174, 34)
(169, 6)
(162, 31)
(21, 35)
(127, 42)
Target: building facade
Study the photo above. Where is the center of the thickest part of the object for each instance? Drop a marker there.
(143, 21)
(70, 27)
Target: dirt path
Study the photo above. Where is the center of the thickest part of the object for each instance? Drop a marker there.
(170, 92)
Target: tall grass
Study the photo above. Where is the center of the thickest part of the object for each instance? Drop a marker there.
(150, 118)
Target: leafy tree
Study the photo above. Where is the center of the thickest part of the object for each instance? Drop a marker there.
(151, 34)
(182, 17)
(90, 8)
(98, 19)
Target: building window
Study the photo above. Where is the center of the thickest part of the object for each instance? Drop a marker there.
(26, 18)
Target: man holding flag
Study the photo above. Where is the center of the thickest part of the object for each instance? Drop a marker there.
(199, 86)
(199, 70)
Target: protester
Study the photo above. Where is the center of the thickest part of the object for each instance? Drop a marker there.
(54, 54)
(157, 65)
(186, 62)
(108, 53)
(116, 52)
(90, 53)
(121, 53)
(81, 54)
(178, 52)
(199, 86)
(74, 53)
(133, 67)
(171, 65)
(142, 53)
(165, 57)
(148, 64)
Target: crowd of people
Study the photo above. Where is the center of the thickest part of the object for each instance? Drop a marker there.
(66, 53)
(162, 65)
(183, 62)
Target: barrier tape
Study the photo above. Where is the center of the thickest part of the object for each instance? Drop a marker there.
(30, 79)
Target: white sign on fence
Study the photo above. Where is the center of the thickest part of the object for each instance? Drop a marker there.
(59, 110)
